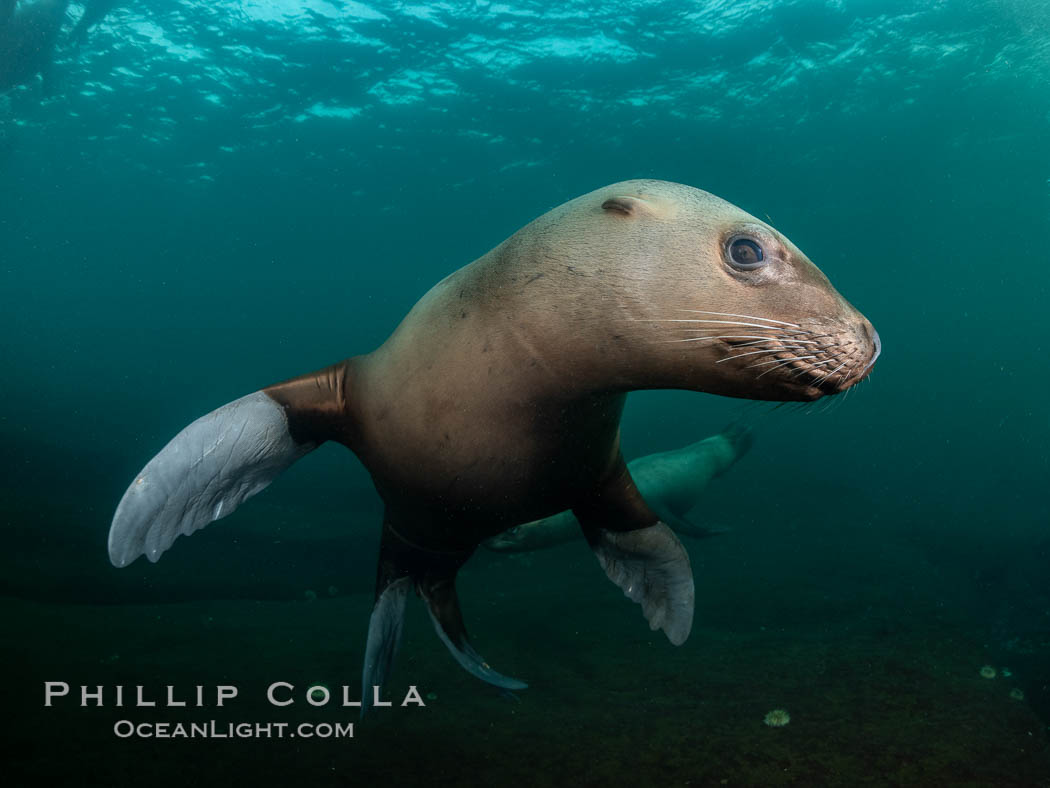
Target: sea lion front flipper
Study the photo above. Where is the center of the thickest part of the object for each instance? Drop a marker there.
(686, 527)
(205, 472)
(652, 568)
(640, 553)
(224, 458)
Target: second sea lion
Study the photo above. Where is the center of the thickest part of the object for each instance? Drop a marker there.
(671, 483)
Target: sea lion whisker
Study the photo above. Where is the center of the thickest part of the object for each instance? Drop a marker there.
(751, 353)
(837, 399)
(700, 339)
(749, 336)
(698, 320)
(783, 362)
(751, 412)
(748, 317)
(757, 338)
(836, 369)
(762, 341)
(822, 363)
(729, 336)
(827, 405)
(754, 352)
(809, 367)
(793, 358)
(846, 376)
(674, 341)
(840, 366)
(846, 393)
(691, 320)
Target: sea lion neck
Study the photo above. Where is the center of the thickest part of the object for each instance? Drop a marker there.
(519, 333)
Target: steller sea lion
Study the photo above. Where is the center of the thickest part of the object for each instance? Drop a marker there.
(497, 400)
(7, 10)
(669, 481)
(94, 12)
(28, 34)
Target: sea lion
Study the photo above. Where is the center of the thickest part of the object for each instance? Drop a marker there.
(94, 12)
(27, 41)
(497, 399)
(7, 10)
(670, 482)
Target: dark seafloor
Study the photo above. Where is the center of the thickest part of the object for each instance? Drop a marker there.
(204, 198)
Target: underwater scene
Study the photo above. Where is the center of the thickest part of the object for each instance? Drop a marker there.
(688, 354)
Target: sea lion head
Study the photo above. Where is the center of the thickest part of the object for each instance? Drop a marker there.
(712, 299)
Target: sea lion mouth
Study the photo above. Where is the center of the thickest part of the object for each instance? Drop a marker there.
(805, 360)
(820, 358)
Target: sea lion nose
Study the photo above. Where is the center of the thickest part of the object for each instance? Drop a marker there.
(876, 343)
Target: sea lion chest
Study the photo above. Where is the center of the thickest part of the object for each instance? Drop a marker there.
(464, 427)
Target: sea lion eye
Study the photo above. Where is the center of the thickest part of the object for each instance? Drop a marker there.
(746, 254)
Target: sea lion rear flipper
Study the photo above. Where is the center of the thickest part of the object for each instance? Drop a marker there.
(384, 637)
(434, 575)
(740, 437)
(443, 605)
(220, 460)
(686, 527)
(641, 554)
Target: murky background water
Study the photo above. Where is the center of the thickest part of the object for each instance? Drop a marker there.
(204, 198)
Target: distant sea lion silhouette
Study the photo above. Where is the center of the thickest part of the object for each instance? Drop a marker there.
(27, 41)
(669, 481)
(497, 400)
(94, 12)
(7, 10)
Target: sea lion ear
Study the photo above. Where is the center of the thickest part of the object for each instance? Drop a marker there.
(627, 206)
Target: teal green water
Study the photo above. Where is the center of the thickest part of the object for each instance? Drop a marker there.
(204, 198)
